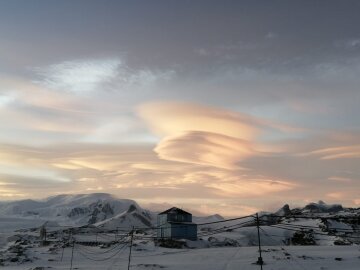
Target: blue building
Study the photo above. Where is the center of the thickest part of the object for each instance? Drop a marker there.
(176, 223)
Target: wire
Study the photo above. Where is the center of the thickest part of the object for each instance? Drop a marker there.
(102, 259)
(103, 252)
(314, 227)
(294, 226)
(224, 229)
(215, 231)
(225, 220)
(198, 224)
(318, 233)
(357, 218)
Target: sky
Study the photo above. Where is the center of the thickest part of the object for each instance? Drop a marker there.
(226, 107)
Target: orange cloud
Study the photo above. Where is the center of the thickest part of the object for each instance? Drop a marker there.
(251, 187)
(202, 135)
(171, 118)
(352, 151)
(336, 195)
(205, 148)
(339, 179)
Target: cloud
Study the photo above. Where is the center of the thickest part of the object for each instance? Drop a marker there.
(5, 100)
(336, 195)
(271, 35)
(79, 76)
(48, 116)
(200, 134)
(349, 44)
(207, 135)
(205, 148)
(169, 118)
(89, 75)
(252, 187)
(352, 151)
(130, 171)
(340, 179)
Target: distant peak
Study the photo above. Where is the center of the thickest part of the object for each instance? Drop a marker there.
(321, 206)
(132, 208)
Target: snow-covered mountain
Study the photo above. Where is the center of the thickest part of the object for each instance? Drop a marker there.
(83, 209)
(108, 212)
(99, 209)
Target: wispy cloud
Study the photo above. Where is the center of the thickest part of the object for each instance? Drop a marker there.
(352, 151)
(170, 118)
(79, 76)
(340, 179)
(89, 75)
(217, 137)
(350, 44)
(211, 149)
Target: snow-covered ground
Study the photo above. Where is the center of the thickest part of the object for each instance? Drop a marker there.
(226, 258)
(100, 226)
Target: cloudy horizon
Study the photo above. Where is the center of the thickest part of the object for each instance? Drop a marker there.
(228, 108)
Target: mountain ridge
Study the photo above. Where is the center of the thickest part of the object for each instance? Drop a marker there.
(108, 211)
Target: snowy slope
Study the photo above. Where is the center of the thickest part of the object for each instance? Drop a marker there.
(307, 237)
(134, 216)
(82, 209)
(107, 212)
(145, 256)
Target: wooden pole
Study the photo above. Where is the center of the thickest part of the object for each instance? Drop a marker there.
(260, 259)
(131, 242)
(72, 255)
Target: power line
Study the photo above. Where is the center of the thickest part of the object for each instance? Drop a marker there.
(226, 228)
(103, 252)
(357, 218)
(120, 246)
(314, 227)
(102, 259)
(198, 224)
(282, 226)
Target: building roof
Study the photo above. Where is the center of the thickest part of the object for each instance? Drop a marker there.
(174, 210)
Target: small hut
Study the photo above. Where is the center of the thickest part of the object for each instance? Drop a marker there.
(176, 223)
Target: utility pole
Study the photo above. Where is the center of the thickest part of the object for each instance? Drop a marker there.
(131, 242)
(62, 253)
(72, 255)
(63, 245)
(260, 259)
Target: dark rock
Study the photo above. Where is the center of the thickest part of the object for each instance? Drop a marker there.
(132, 208)
(77, 211)
(14, 259)
(303, 238)
(321, 207)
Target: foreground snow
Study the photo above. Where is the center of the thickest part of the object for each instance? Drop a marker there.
(147, 257)
(100, 225)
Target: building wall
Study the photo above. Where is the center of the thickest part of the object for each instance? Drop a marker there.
(173, 217)
(177, 231)
(161, 219)
(179, 217)
(164, 231)
(185, 231)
